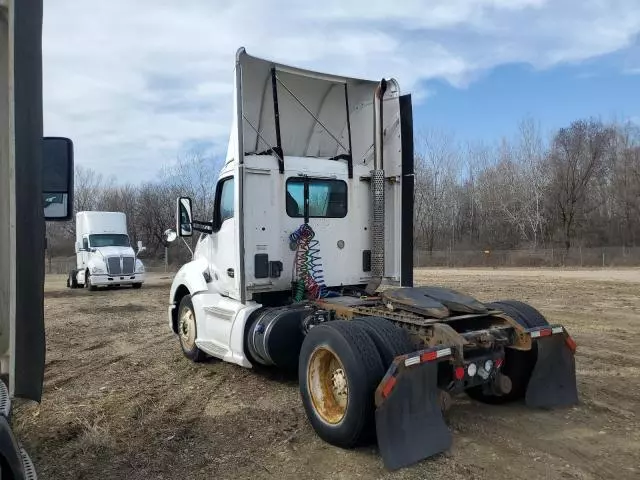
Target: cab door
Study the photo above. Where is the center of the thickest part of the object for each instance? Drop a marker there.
(222, 255)
(82, 255)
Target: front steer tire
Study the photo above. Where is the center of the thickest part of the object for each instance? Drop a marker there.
(348, 342)
(187, 331)
(87, 282)
(518, 364)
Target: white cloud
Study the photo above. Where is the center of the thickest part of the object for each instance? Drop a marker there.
(133, 83)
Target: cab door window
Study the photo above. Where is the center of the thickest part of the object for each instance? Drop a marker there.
(224, 201)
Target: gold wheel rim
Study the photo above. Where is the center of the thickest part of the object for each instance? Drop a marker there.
(187, 328)
(328, 385)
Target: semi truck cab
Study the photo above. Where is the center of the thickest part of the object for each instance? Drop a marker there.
(298, 268)
(104, 255)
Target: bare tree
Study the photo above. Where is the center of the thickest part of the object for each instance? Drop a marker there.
(576, 158)
(436, 169)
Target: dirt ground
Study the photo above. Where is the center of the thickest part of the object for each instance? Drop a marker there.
(120, 400)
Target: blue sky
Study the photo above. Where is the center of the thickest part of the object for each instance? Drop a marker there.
(491, 107)
(137, 84)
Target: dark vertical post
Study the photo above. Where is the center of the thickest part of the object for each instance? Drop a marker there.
(276, 113)
(306, 200)
(406, 222)
(350, 160)
(30, 226)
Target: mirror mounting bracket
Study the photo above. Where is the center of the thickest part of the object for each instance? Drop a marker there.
(204, 227)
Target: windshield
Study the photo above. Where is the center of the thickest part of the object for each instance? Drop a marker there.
(109, 240)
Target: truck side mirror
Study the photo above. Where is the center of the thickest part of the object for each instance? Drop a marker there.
(184, 217)
(140, 247)
(57, 178)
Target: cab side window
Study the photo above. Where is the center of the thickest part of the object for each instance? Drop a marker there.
(225, 203)
(85, 243)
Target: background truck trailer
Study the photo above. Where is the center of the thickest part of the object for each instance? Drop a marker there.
(36, 184)
(104, 255)
(313, 220)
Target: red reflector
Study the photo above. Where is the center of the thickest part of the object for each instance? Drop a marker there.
(545, 332)
(571, 343)
(499, 362)
(388, 386)
(459, 373)
(428, 356)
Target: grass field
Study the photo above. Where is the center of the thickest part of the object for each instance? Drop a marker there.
(120, 400)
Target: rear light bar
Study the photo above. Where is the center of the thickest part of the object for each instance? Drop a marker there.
(547, 331)
(427, 356)
(411, 360)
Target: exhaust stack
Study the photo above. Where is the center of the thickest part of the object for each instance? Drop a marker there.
(377, 191)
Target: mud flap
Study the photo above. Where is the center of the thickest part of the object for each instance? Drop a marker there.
(409, 422)
(553, 380)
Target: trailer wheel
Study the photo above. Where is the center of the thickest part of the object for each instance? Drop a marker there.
(390, 340)
(187, 330)
(339, 370)
(518, 364)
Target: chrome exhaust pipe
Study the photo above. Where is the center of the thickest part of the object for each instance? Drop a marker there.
(377, 190)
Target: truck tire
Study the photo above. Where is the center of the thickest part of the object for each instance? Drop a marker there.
(187, 330)
(136, 285)
(532, 317)
(87, 282)
(390, 340)
(518, 364)
(339, 370)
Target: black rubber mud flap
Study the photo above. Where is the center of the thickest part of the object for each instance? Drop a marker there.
(553, 380)
(409, 422)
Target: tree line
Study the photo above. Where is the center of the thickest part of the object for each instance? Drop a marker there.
(578, 187)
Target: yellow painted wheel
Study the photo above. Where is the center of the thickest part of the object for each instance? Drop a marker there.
(327, 382)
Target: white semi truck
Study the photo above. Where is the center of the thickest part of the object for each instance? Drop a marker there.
(104, 255)
(313, 214)
(36, 184)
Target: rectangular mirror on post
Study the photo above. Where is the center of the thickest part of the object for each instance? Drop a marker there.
(57, 178)
(184, 217)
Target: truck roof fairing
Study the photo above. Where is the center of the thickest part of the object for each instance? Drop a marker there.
(313, 108)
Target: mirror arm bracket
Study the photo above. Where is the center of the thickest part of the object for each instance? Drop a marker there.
(204, 227)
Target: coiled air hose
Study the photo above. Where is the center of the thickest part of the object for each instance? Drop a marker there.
(308, 274)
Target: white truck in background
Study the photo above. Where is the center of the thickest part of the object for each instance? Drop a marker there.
(104, 255)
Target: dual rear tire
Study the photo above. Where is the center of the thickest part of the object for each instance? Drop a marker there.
(340, 366)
